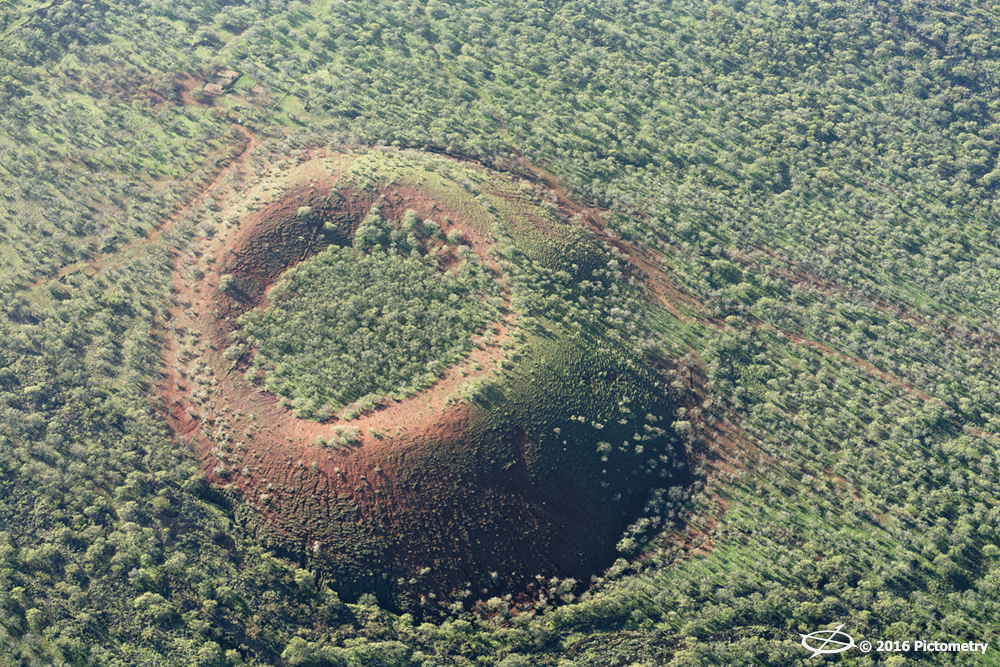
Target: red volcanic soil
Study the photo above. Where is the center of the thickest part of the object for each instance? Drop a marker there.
(426, 503)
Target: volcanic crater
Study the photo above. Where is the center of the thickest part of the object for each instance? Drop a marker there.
(523, 462)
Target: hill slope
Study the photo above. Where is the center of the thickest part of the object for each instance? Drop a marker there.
(527, 459)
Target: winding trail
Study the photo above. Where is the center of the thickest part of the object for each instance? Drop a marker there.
(248, 141)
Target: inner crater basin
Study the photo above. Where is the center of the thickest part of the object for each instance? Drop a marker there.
(380, 319)
(425, 380)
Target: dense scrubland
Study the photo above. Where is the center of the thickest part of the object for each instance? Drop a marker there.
(816, 181)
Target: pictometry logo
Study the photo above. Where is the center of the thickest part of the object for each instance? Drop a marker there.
(827, 641)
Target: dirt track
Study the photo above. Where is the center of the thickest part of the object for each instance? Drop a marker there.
(237, 154)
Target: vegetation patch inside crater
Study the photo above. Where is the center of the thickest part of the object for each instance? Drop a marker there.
(381, 318)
